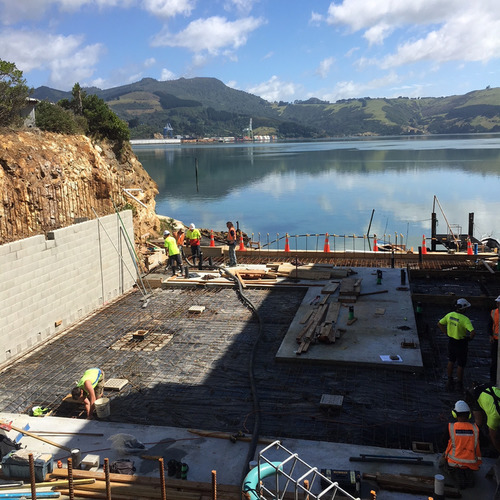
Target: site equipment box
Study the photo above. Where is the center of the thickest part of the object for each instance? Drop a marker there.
(16, 465)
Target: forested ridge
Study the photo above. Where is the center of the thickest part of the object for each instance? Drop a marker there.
(199, 107)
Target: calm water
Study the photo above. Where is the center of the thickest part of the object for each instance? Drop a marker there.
(332, 187)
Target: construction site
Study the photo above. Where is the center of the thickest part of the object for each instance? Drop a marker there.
(325, 371)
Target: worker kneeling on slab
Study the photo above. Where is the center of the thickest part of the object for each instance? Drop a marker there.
(463, 455)
(88, 389)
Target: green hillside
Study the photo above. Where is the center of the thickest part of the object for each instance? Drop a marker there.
(201, 107)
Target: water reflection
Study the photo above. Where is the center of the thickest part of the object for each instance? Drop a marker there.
(333, 187)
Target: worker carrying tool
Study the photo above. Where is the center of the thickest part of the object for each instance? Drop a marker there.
(459, 329)
(174, 254)
(493, 328)
(463, 455)
(193, 239)
(484, 399)
(88, 389)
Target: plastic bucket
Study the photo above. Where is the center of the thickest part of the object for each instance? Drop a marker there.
(102, 407)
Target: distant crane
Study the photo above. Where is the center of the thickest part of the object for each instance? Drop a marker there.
(168, 131)
(249, 129)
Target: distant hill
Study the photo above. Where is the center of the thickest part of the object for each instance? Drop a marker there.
(206, 107)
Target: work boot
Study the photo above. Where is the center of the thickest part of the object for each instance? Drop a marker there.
(450, 384)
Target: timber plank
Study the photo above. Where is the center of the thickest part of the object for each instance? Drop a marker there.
(333, 312)
(306, 316)
(330, 288)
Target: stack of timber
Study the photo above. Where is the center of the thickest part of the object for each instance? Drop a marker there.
(127, 487)
(308, 271)
(350, 288)
(407, 483)
(319, 325)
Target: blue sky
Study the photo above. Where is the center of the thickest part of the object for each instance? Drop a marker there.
(276, 49)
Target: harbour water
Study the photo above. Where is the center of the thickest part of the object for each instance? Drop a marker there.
(335, 187)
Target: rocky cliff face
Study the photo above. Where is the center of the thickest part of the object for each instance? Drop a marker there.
(49, 181)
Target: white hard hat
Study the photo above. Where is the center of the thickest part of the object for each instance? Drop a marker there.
(191, 226)
(166, 233)
(497, 299)
(463, 303)
(461, 407)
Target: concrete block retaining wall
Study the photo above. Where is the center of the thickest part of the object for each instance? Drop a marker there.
(49, 284)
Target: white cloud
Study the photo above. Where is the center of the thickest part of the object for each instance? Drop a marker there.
(275, 90)
(325, 66)
(14, 11)
(242, 6)
(473, 37)
(315, 18)
(169, 8)
(435, 30)
(149, 62)
(351, 89)
(211, 35)
(166, 75)
(359, 14)
(64, 56)
(378, 33)
(232, 84)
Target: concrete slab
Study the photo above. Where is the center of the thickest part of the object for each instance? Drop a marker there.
(227, 458)
(383, 332)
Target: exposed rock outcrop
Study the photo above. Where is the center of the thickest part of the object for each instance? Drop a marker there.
(49, 181)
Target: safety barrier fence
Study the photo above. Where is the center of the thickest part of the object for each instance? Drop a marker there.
(327, 242)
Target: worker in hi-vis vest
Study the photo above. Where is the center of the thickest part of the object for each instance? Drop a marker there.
(174, 254)
(88, 389)
(459, 329)
(462, 455)
(231, 242)
(494, 317)
(193, 239)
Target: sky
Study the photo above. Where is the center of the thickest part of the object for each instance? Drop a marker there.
(280, 50)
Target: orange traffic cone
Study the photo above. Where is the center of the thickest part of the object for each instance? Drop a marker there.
(242, 244)
(287, 246)
(375, 246)
(469, 247)
(212, 242)
(326, 248)
(424, 248)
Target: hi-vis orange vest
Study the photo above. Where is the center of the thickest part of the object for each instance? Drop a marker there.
(463, 447)
(494, 317)
(230, 238)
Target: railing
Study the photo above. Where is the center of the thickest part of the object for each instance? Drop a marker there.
(291, 473)
(319, 241)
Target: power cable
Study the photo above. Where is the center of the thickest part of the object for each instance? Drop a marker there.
(255, 399)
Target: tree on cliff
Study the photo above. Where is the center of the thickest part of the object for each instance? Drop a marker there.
(89, 114)
(13, 93)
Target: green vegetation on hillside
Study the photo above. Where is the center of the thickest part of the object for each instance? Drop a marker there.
(85, 114)
(200, 107)
(13, 94)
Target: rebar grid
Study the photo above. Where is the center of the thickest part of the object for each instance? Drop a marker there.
(200, 378)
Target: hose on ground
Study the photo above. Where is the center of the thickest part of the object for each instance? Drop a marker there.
(253, 388)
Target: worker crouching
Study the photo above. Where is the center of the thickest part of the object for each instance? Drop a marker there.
(463, 455)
